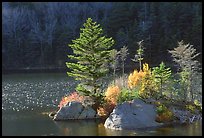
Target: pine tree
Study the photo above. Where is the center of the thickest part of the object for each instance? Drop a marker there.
(91, 53)
(161, 75)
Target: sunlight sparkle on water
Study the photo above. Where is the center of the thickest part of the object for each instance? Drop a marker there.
(18, 96)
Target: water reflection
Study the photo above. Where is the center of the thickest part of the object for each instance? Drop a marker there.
(27, 123)
(78, 127)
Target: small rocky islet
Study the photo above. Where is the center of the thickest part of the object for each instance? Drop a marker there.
(135, 114)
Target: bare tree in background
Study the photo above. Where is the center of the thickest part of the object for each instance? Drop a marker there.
(185, 55)
(38, 35)
(14, 28)
(123, 55)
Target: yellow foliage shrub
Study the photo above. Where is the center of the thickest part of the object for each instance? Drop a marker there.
(143, 79)
(148, 85)
(146, 68)
(111, 96)
(135, 78)
(112, 93)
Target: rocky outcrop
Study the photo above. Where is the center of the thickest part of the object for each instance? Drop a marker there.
(184, 116)
(132, 115)
(75, 110)
(88, 112)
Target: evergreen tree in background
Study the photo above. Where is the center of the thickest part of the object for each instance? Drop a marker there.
(162, 74)
(91, 53)
(35, 35)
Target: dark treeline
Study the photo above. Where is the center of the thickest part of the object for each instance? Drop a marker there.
(37, 34)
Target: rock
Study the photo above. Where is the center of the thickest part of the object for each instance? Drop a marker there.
(88, 112)
(150, 101)
(185, 116)
(71, 111)
(132, 115)
(75, 110)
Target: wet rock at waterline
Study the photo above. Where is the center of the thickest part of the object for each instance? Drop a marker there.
(184, 116)
(75, 110)
(71, 111)
(132, 115)
(88, 112)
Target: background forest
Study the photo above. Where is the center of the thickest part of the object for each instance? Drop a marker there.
(37, 34)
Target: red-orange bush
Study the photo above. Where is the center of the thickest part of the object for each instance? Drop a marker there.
(72, 97)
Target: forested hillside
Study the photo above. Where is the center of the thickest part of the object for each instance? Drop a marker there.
(37, 34)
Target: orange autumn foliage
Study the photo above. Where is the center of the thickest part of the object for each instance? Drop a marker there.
(72, 97)
(111, 96)
(112, 93)
(106, 109)
(135, 78)
(142, 80)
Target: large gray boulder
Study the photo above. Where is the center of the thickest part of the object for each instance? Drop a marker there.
(71, 111)
(88, 113)
(75, 110)
(132, 115)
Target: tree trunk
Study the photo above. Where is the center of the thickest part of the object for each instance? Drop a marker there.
(123, 68)
(114, 75)
(190, 88)
(123, 73)
(96, 105)
(140, 64)
(161, 87)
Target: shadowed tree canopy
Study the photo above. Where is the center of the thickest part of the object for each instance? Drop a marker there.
(35, 34)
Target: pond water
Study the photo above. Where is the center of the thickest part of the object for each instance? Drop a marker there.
(28, 98)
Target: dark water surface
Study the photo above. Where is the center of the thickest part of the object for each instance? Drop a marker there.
(28, 98)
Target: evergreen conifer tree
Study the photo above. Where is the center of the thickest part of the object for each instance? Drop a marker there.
(91, 55)
(162, 74)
